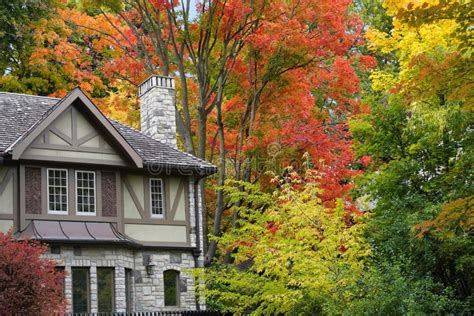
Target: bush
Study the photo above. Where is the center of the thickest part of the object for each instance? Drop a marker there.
(29, 284)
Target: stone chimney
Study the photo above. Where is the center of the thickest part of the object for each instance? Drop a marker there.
(157, 109)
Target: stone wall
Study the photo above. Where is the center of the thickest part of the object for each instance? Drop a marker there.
(147, 290)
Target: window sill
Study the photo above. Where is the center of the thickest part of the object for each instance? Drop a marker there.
(85, 214)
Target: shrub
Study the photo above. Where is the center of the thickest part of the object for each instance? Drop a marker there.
(29, 284)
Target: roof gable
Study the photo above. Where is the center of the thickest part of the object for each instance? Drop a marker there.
(73, 137)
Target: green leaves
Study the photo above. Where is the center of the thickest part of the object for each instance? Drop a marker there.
(419, 135)
(291, 253)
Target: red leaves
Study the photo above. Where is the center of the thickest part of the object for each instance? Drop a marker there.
(365, 160)
(29, 285)
(272, 228)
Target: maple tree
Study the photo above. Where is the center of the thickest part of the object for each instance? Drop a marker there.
(290, 253)
(29, 284)
(211, 55)
(270, 109)
(53, 60)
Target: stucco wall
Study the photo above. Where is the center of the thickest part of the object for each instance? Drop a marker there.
(139, 224)
(72, 138)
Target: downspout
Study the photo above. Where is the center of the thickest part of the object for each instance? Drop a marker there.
(197, 250)
(2, 157)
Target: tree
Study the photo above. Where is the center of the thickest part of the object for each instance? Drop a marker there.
(287, 46)
(43, 54)
(291, 254)
(17, 18)
(417, 133)
(29, 284)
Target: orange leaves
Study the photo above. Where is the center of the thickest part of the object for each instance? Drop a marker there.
(234, 13)
(455, 216)
(367, 62)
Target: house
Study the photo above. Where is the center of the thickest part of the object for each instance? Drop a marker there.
(119, 208)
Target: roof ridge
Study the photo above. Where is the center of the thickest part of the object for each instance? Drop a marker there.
(29, 95)
(156, 140)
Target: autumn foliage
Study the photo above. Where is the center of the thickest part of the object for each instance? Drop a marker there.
(375, 95)
(29, 284)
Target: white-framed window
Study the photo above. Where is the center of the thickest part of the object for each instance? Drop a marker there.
(85, 192)
(57, 191)
(157, 204)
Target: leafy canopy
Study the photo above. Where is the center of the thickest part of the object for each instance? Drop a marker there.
(292, 254)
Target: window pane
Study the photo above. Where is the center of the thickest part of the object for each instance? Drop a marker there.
(128, 289)
(156, 196)
(85, 183)
(171, 279)
(63, 285)
(80, 290)
(105, 289)
(57, 190)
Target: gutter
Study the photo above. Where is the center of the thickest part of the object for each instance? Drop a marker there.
(188, 170)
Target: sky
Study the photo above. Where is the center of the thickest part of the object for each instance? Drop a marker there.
(192, 11)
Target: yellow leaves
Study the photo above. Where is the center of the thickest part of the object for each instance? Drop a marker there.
(383, 81)
(379, 41)
(393, 6)
(298, 247)
(410, 41)
(429, 62)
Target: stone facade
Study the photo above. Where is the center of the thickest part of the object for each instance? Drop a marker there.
(157, 109)
(147, 291)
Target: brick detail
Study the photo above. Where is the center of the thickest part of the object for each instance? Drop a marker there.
(109, 194)
(32, 190)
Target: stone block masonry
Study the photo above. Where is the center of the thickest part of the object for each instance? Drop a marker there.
(147, 291)
(157, 109)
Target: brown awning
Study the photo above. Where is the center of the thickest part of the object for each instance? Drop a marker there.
(75, 232)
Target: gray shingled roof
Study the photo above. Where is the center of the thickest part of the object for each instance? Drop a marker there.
(20, 112)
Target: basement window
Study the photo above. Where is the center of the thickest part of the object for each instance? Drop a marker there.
(105, 290)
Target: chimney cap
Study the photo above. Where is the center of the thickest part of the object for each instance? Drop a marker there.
(155, 81)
